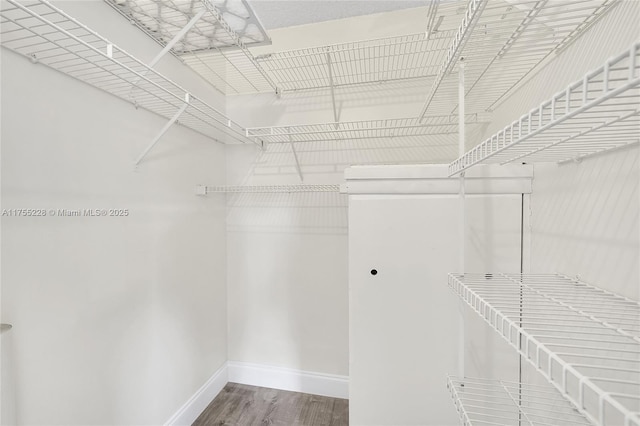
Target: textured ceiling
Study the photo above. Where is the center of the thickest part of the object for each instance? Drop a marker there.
(287, 13)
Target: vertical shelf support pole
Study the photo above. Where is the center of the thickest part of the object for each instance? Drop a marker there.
(164, 129)
(461, 245)
(295, 156)
(333, 95)
(432, 12)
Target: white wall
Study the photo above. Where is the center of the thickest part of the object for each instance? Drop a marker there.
(287, 278)
(585, 215)
(117, 320)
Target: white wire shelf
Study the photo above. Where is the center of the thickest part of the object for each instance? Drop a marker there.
(502, 44)
(216, 46)
(595, 114)
(379, 60)
(584, 340)
(233, 72)
(401, 128)
(46, 35)
(269, 188)
(162, 20)
(497, 402)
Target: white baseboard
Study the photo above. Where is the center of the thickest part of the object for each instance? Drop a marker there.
(259, 375)
(288, 379)
(191, 409)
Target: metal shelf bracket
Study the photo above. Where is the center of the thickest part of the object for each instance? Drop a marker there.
(164, 129)
(295, 156)
(165, 50)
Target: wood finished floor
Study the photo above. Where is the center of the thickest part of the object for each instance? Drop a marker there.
(243, 405)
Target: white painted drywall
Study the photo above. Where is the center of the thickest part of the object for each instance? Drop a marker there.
(117, 320)
(287, 278)
(404, 321)
(287, 253)
(584, 216)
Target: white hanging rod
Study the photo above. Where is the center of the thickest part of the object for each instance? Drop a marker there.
(499, 402)
(203, 190)
(47, 35)
(584, 340)
(599, 112)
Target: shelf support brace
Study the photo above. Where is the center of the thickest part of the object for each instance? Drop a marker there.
(333, 95)
(164, 129)
(461, 245)
(179, 36)
(295, 156)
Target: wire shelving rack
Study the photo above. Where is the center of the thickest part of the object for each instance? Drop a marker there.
(403, 57)
(584, 340)
(400, 128)
(498, 402)
(502, 45)
(46, 35)
(597, 113)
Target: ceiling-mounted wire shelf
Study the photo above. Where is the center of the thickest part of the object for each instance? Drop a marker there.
(498, 402)
(162, 20)
(582, 339)
(46, 35)
(215, 46)
(502, 45)
(400, 128)
(597, 113)
(268, 188)
(404, 57)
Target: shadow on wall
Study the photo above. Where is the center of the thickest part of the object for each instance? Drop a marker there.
(585, 220)
(287, 275)
(295, 212)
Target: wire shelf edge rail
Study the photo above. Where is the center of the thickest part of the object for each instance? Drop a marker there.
(470, 19)
(47, 35)
(504, 46)
(594, 114)
(584, 340)
(499, 402)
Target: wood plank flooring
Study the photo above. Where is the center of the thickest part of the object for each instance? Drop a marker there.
(243, 405)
